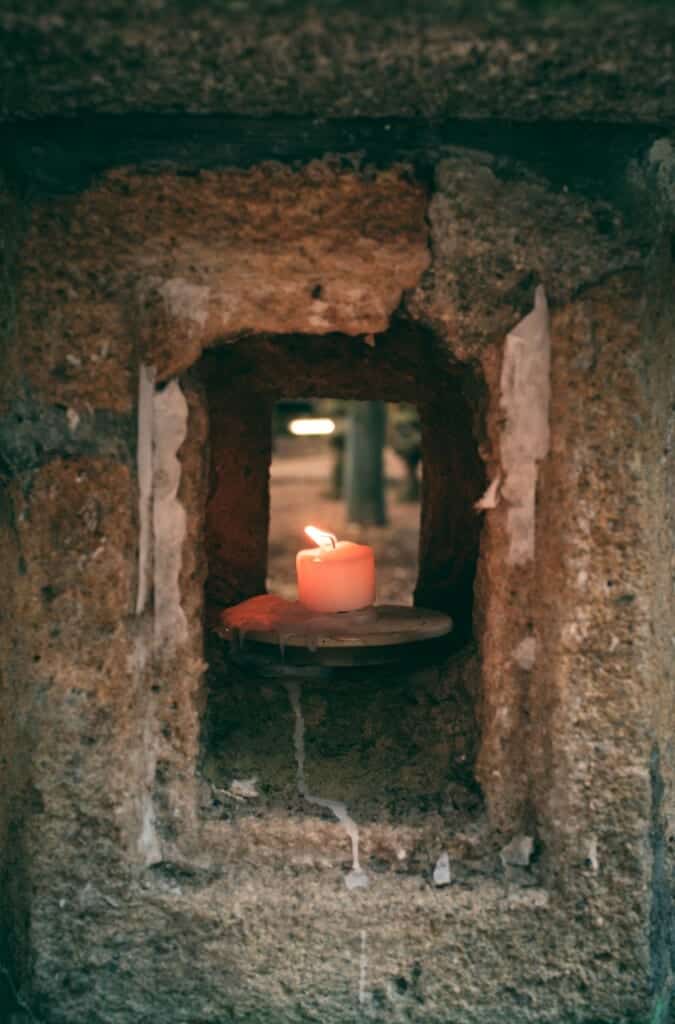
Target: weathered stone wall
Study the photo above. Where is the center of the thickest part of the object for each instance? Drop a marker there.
(102, 711)
(137, 900)
(532, 60)
(498, 229)
(660, 386)
(14, 910)
(495, 233)
(600, 639)
(189, 263)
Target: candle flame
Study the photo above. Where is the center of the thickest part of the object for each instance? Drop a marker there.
(320, 537)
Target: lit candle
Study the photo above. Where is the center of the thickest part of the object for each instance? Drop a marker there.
(336, 576)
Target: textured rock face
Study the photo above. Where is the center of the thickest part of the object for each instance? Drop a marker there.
(495, 233)
(395, 744)
(171, 265)
(132, 889)
(609, 61)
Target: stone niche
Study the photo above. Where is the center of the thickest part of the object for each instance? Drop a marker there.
(396, 743)
(149, 321)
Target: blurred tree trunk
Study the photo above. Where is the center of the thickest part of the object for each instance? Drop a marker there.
(336, 482)
(411, 488)
(364, 469)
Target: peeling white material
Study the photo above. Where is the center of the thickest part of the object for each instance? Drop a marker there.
(244, 789)
(441, 875)
(146, 390)
(524, 398)
(518, 852)
(525, 653)
(491, 497)
(73, 419)
(148, 841)
(661, 156)
(592, 854)
(148, 844)
(357, 877)
(162, 428)
(169, 520)
(186, 301)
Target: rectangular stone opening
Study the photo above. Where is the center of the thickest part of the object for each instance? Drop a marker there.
(242, 384)
(395, 743)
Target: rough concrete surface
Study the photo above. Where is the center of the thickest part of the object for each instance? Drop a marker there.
(285, 944)
(496, 232)
(524, 60)
(173, 264)
(399, 741)
(133, 890)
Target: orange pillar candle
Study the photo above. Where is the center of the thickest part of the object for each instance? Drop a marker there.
(336, 576)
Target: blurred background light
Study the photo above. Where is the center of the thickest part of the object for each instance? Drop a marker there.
(312, 427)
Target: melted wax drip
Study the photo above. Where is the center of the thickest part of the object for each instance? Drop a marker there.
(363, 968)
(357, 878)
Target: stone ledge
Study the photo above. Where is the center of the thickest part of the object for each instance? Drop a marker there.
(520, 60)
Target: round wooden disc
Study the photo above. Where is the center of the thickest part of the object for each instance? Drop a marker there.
(271, 620)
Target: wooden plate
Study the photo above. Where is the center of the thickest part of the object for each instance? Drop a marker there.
(271, 620)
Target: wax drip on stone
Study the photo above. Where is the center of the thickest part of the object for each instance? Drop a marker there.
(363, 968)
(146, 391)
(441, 875)
(357, 877)
(169, 518)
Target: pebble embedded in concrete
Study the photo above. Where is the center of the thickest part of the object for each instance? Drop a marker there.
(518, 852)
(441, 875)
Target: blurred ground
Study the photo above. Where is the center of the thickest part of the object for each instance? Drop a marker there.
(300, 475)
